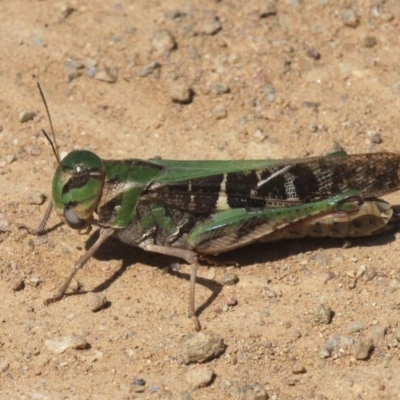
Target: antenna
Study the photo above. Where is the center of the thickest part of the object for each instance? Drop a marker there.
(53, 145)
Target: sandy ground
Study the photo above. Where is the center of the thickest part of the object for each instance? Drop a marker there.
(268, 80)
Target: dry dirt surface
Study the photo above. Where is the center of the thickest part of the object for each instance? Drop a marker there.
(222, 79)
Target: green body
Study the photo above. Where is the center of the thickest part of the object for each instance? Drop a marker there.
(214, 206)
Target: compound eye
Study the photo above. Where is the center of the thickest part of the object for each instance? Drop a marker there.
(73, 219)
(80, 176)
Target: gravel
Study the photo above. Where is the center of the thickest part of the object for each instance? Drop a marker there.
(229, 279)
(323, 314)
(95, 301)
(163, 42)
(199, 377)
(218, 88)
(252, 392)
(220, 112)
(26, 115)
(181, 92)
(378, 334)
(202, 347)
(17, 284)
(208, 25)
(354, 326)
(59, 345)
(37, 198)
(150, 69)
(108, 74)
(350, 18)
(362, 349)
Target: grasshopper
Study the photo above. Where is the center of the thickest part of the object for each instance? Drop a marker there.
(196, 209)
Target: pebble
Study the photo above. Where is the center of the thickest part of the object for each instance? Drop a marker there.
(72, 63)
(26, 115)
(108, 74)
(37, 198)
(386, 16)
(270, 91)
(352, 284)
(138, 385)
(378, 334)
(323, 314)
(328, 276)
(231, 301)
(200, 377)
(91, 72)
(11, 158)
(218, 88)
(174, 14)
(209, 25)
(354, 326)
(336, 146)
(149, 69)
(75, 74)
(375, 137)
(269, 9)
(362, 349)
(267, 291)
(28, 245)
(181, 93)
(230, 279)
(59, 344)
(325, 352)
(95, 301)
(186, 396)
(163, 42)
(335, 342)
(362, 269)
(17, 284)
(351, 274)
(370, 41)
(370, 274)
(313, 53)
(349, 18)
(74, 69)
(298, 369)
(211, 273)
(65, 9)
(252, 392)
(397, 333)
(154, 389)
(313, 105)
(202, 347)
(220, 112)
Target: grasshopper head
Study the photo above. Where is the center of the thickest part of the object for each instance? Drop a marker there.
(77, 186)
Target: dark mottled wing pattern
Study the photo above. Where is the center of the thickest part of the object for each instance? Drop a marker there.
(209, 186)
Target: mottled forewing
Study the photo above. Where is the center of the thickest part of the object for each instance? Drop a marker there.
(211, 186)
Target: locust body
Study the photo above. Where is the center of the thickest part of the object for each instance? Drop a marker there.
(189, 209)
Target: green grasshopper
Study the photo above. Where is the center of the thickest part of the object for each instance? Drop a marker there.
(192, 209)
